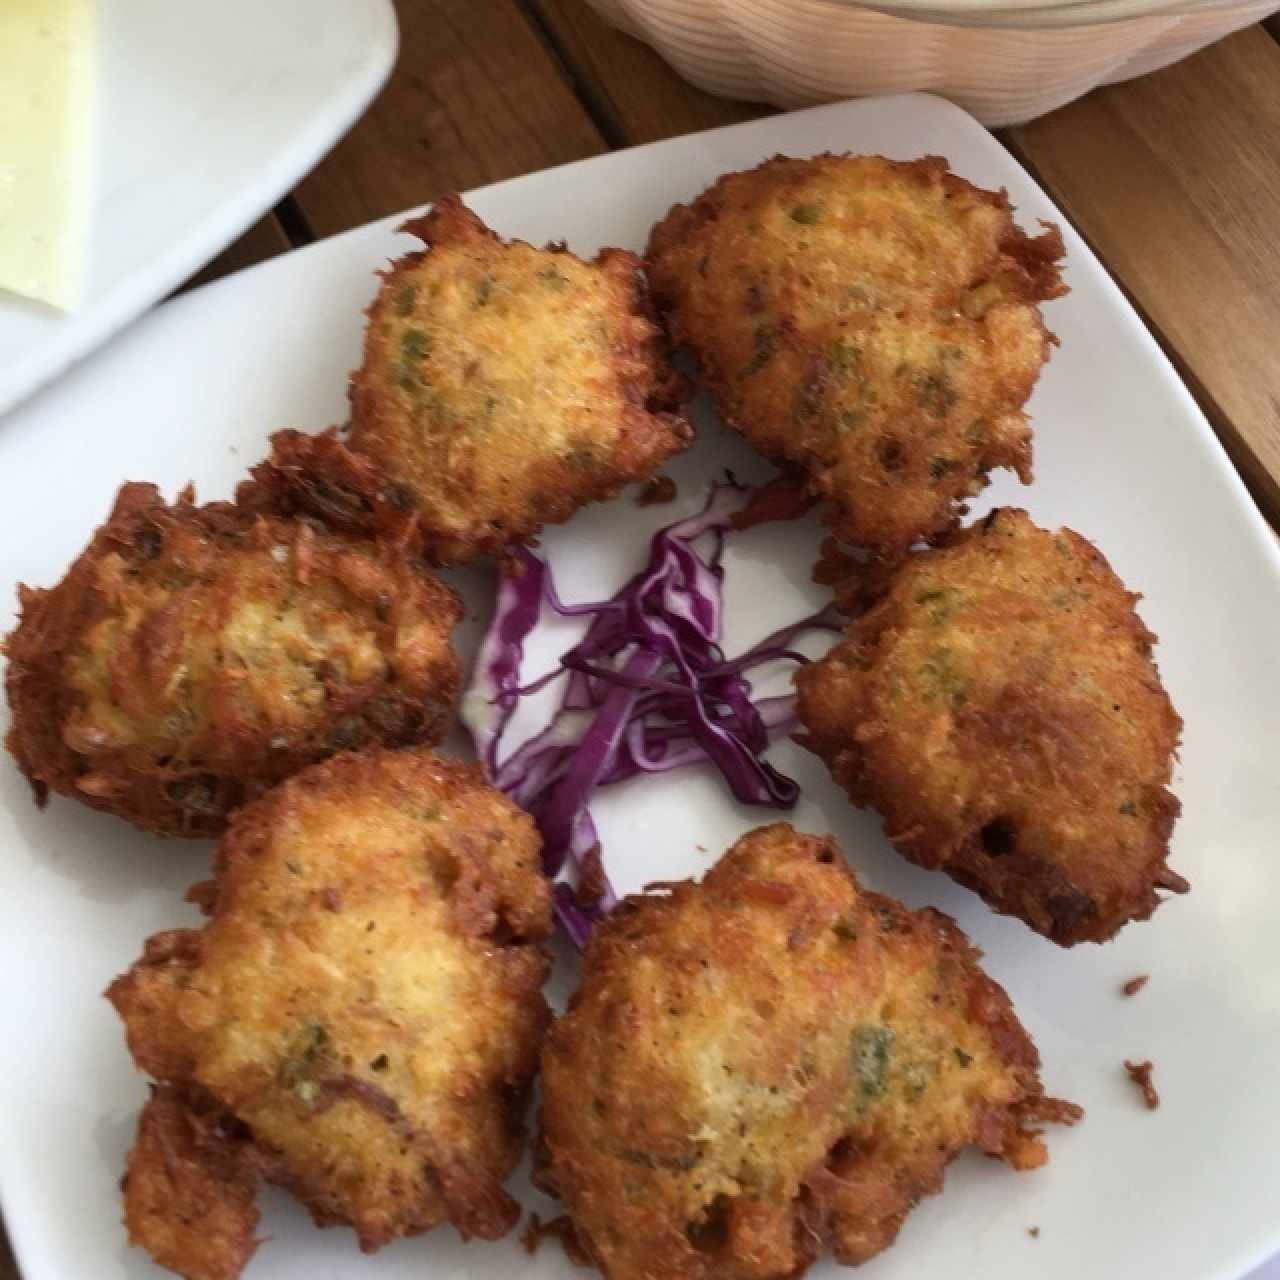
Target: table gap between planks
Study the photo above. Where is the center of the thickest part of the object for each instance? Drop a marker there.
(1172, 178)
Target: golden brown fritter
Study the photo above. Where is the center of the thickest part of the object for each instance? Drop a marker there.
(503, 387)
(193, 656)
(873, 322)
(998, 704)
(771, 1064)
(188, 1189)
(363, 1007)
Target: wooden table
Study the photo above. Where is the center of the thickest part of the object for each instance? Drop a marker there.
(1173, 179)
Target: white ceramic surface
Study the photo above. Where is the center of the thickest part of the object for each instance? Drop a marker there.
(1004, 64)
(207, 113)
(1122, 454)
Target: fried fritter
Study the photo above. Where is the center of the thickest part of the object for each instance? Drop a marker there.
(503, 387)
(361, 1014)
(999, 705)
(773, 1063)
(193, 656)
(872, 322)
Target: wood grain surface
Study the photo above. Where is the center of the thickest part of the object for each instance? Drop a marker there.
(1174, 179)
(263, 240)
(475, 97)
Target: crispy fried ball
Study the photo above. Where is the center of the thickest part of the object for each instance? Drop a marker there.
(771, 1064)
(872, 322)
(999, 705)
(362, 1012)
(503, 387)
(193, 656)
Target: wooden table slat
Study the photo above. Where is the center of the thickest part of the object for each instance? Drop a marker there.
(646, 98)
(263, 240)
(476, 96)
(8, 1267)
(1175, 181)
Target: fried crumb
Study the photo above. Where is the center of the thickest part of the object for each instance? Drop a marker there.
(1134, 985)
(531, 1236)
(1034, 1232)
(1140, 1074)
(592, 881)
(561, 1229)
(659, 491)
(785, 497)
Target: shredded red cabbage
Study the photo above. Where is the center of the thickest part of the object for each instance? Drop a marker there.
(647, 689)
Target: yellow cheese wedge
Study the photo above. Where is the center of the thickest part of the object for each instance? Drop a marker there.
(46, 49)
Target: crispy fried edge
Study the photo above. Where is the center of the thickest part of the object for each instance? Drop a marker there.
(40, 700)
(189, 1191)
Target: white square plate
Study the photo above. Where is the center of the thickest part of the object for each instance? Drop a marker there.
(1122, 454)
(206, 114)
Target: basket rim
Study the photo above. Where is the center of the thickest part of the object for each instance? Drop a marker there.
(1041, 14)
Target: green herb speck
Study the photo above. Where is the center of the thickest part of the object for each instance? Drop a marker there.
(405, 299)
(766, 344)
(935, 394)
(843, 356)
(942, 678)
(415, 344)
(870, 1051)
(845, 930)
(807, 215)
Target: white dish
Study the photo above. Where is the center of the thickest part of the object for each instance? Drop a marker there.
(206, 115)
(1122, 454)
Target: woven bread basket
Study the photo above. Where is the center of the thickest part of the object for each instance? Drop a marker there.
(1001, 61)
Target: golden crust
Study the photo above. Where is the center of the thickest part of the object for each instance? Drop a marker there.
(874, 322)
(188, 1191)
(365, 999)
(998, 704)
(771, 1064)
(503, 387)
(193, 656)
